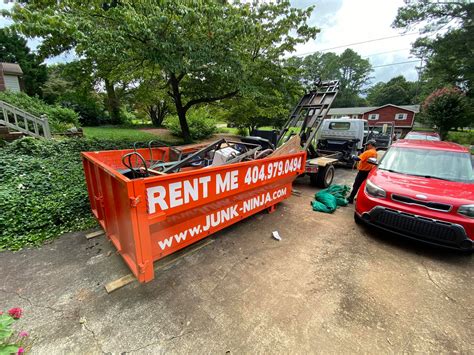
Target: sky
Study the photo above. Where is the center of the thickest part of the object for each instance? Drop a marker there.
(344, 23)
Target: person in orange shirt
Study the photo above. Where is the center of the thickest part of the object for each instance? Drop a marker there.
(363, 166)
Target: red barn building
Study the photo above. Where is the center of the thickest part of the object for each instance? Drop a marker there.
(403, 117)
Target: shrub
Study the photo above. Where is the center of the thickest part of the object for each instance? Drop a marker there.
(89, 107)
(242, 131)
(59, 118)
(446, 108)
(10, 341)
(464, 138)
(201, 124)
(42, 189)
(126, 117)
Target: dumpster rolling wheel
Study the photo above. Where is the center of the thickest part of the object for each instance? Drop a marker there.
(324, 177)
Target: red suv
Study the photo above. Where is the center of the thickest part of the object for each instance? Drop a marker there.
(422, 190)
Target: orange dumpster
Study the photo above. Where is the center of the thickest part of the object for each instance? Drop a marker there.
(151, 217)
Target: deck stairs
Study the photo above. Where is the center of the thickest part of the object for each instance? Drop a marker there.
(22, 123)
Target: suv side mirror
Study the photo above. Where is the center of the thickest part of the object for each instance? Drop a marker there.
(373, 161)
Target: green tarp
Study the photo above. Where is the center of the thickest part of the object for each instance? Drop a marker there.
(328, 200)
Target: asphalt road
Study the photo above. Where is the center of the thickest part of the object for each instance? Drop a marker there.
(327, 286)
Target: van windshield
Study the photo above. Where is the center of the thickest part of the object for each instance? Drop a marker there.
(438, 164)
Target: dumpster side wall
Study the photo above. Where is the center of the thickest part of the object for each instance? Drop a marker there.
(111, 199)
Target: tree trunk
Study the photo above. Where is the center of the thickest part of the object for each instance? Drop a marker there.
(113, 103)
(184, 124)
(181, 111)
(158, 113)
(153, 114)
(443, 133)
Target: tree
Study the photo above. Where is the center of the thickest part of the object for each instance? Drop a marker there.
(251, 113)
(59, 31)
(450, 56)
(318, 65)
(14, 49)
(72, 85)
(208, 51)
(268, 104)
(446, 108)
(397, 91)
(151, 98)
(56, 85)
(433, 14)
(352, 71)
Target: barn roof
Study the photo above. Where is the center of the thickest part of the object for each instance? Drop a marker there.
(413, 108)
(360, 110)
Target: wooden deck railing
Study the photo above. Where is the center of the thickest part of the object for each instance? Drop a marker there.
(24, 122)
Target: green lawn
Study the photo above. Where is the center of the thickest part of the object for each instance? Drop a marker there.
(229, 130)
(236, 130)
(119, 133)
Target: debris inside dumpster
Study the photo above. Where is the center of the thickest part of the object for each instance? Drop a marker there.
(221, 156)
(137, 170)
(252, 153)
(175, 153)
(291, 146)
(159, 158)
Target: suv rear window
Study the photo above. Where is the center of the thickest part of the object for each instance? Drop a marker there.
(340, 126)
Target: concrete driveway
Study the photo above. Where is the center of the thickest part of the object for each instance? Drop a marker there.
(328, 286)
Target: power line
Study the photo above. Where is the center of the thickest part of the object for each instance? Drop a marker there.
(370, 40)
(392, 51)
(388, 65)
(357, 43)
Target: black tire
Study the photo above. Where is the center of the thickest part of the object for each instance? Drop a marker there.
(324, 177)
